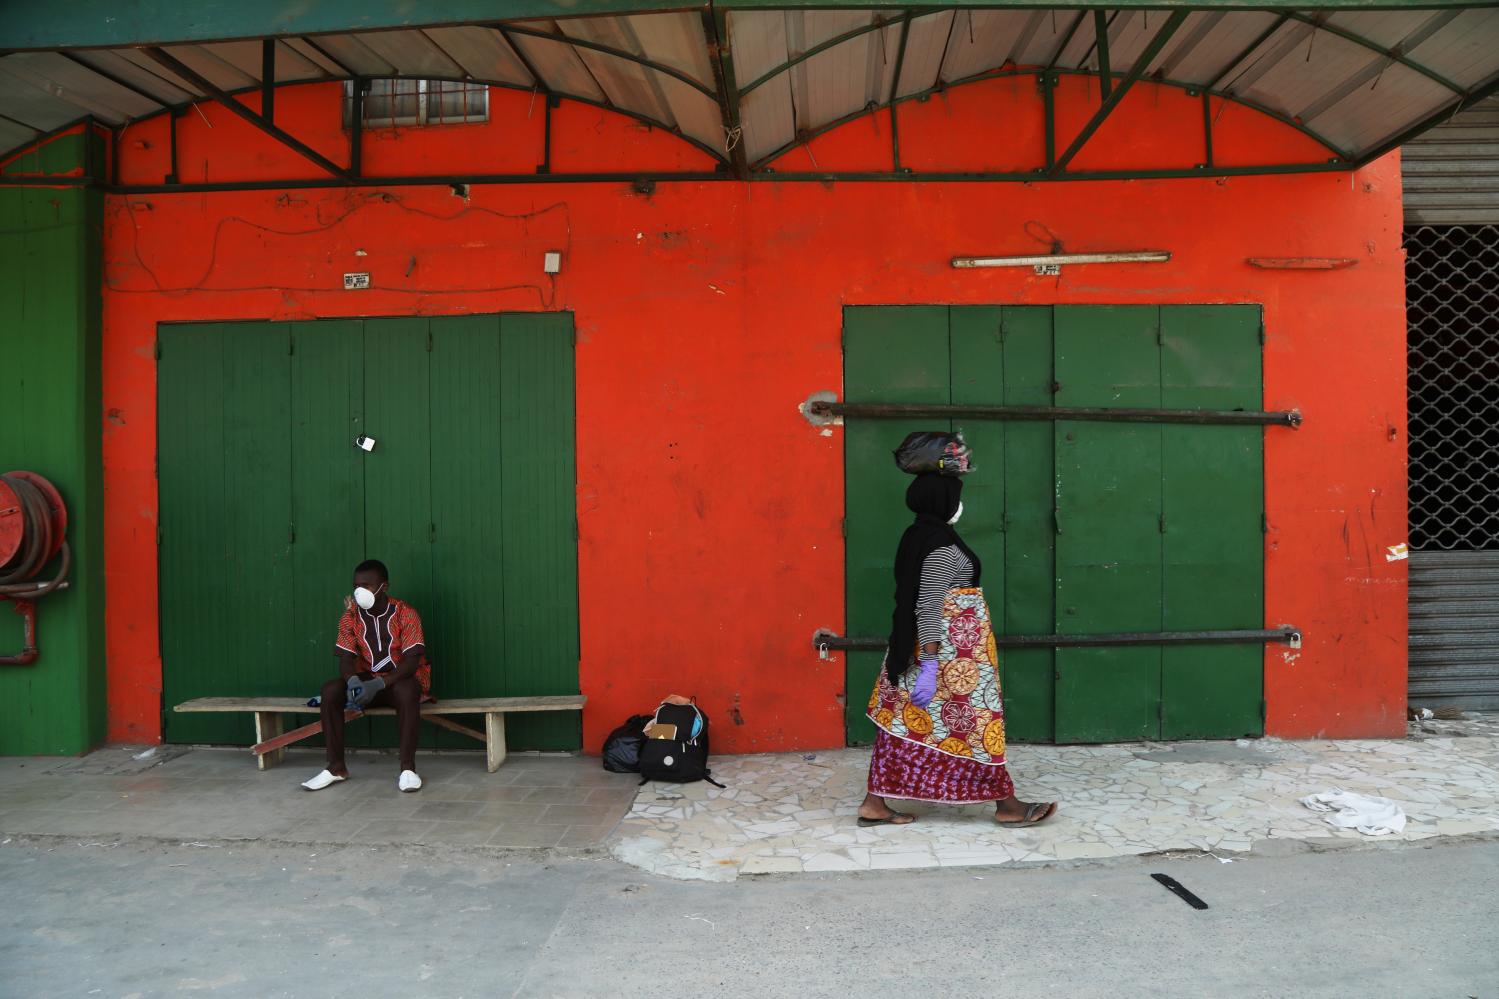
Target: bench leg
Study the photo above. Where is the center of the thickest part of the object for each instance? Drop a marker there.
(494, 739)
(267, 727)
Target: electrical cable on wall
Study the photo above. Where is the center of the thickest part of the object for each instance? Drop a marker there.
(546, 297)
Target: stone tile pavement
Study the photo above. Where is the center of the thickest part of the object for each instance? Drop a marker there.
(190, 795)
(795, 813)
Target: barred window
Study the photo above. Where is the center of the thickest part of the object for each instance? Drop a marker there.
(418, 102)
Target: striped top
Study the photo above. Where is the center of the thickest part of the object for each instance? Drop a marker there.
(942, 570)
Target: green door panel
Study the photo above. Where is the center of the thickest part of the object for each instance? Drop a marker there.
(1213, 502)
(327, 493)
(1108, 496)
(977, 359)
(1026, 606)
(538, 524)
(890, 355)
(194, 547)
(465, 619)
(397, 476)
(226, 515)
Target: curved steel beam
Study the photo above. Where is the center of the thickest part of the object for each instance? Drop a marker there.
(879, 25)
(1191, 88)
(1393, 54)
(609, 50)
(716, 154)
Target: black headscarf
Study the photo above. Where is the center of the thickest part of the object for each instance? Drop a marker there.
(934, 499)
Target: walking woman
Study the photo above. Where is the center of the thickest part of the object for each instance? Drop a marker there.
(937, 702)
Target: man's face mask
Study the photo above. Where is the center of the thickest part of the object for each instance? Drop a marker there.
(365, 597)
(956, 513)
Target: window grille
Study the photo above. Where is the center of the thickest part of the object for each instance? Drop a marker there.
(388, 103)
(1452, 316)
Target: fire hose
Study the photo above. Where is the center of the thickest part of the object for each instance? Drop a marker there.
(33, 522)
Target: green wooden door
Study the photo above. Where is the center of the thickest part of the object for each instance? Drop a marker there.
(468, 496)
(1084, 527)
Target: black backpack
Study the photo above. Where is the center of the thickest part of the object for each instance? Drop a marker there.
(622, 748)
(683, 758)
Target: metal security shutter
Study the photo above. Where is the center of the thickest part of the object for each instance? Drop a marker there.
(1454, 640)
(1452, 172)
(1452, 293)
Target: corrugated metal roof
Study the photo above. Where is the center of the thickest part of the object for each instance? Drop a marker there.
(1359, 81)
(1452, 172)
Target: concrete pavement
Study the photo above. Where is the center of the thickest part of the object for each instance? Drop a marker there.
(144, 919)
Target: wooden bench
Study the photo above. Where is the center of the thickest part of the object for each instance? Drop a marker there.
(271, 739)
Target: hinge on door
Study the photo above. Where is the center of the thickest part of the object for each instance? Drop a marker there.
(843, 527)
(577, 532)
(291, 534)
(1263, 711)
(1262, 330)
(429, 341)
(1162, 523)
(1004, 328)
(1056, 519)
(156, 350)
(1160, 337)
(431, 533)
(158, 534)
(1264, 524)
(291, 345)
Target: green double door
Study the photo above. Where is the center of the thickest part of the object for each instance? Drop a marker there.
(267, 504)
(1083, 527)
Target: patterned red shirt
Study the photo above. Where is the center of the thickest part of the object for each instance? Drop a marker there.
(381, 641)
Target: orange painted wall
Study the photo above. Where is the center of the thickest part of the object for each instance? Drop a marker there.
(709, 510)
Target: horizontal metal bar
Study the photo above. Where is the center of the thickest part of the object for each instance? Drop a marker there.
(212, 187)
(1134, 257)
(937, 411)
(829, 642)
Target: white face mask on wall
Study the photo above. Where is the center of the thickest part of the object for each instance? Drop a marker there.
(956, 513)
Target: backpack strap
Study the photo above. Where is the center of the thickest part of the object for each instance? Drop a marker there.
(708, 776)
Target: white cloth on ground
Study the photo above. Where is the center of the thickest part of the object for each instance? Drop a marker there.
(1370, 815)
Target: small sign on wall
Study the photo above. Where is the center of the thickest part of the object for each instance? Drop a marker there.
(353, 282)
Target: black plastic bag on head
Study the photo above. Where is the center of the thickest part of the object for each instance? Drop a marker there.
(622, 748)
(934, 451)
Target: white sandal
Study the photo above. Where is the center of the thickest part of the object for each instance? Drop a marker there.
(322, 780)
(409, 781)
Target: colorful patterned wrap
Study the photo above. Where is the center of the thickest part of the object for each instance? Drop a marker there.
(967, 717)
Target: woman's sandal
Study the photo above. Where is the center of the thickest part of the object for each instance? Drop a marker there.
(1046, 810)
(888, 819)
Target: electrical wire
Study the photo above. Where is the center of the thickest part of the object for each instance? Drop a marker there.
(546, 297)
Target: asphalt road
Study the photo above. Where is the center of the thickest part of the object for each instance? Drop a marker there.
(144, 920)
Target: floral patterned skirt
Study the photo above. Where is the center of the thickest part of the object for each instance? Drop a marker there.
(954, 748)
(901, 769)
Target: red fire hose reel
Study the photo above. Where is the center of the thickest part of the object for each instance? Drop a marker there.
(33, 524)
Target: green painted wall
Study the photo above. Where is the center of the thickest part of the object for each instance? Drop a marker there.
(50, 423)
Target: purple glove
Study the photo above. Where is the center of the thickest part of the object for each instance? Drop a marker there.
(925, 687)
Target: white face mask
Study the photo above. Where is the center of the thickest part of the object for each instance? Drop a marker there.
(366, 597)
(956, 513)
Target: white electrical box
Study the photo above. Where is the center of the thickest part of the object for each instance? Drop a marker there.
(356, 281)
(553, 262)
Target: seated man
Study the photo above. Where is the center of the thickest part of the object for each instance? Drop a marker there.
(380, 641)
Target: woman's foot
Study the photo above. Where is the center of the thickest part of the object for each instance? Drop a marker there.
(874, 812)
(1014, 812)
